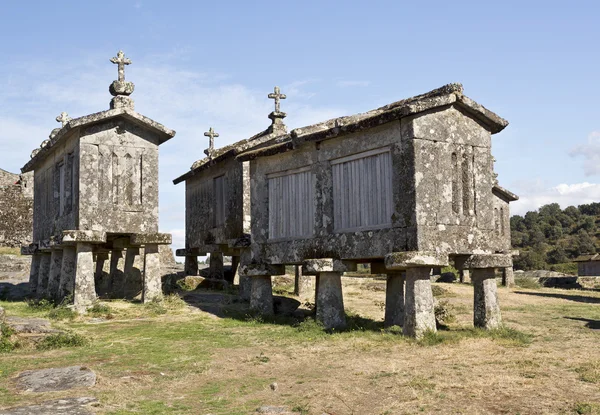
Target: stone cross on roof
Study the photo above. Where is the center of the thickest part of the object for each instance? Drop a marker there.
(277, 96)
(63, 118)
(121, 61)
(211, 143)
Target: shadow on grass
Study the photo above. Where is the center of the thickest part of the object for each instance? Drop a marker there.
(590, 324)
(576, 298)
(14, 292)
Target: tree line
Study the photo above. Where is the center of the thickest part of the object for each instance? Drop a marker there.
(551, 238)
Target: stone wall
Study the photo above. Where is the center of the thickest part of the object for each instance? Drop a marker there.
(16, 210)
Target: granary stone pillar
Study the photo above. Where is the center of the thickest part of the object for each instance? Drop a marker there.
(36, 260)
(486, 308)
(419, 315)
(85, 290)
(43, 275)
(133, 279)
(235, 275)
(216, 265)
(261, 291)
(302, 283)
(245, 282)
(436, 271)
(152, 276)
(67, 272)
(329, 296)
(465, 276)
(54, 276)
(394, 294)
(101, 277)
(191, 265)
(261, 295)
(117, 273)
(508, 277)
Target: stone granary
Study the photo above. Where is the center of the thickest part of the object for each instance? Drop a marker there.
(217, 190)
(406, 187)
(95, 194)
(588, 265)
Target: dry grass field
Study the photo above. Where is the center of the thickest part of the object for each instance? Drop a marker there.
(175, 358)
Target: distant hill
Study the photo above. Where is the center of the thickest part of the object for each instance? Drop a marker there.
(551, 238)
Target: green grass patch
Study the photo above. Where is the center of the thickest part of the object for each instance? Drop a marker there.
(10, 251)
(589, 372)
(587, 408)
(6, 344)
(61, 340)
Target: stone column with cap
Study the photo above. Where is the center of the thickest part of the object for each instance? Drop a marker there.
(261, 291)
(419, 313)
(394, 294)
(329, 296)
(277, 116)
(486, 308)
(54, 276)
(36, 259)
(43, 275)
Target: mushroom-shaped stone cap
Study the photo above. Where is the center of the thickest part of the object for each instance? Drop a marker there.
(45, 144)
(34, 152)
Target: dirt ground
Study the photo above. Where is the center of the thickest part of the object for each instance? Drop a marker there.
(190, 361)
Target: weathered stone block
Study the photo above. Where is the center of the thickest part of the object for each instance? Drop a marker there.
(419, 313)
(261, 295)
(486, 308)
(330, 301)
(404, 260)
(394, 300)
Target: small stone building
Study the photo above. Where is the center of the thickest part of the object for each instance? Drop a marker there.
(217, 190)
(16, 209)
(95, 199)
(588, 265)
(407, 187)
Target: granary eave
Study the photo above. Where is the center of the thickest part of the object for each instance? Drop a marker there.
(228, 152)
(505, 194)
(588, 257)
(164, 133)
(451, 94)
(275, 148)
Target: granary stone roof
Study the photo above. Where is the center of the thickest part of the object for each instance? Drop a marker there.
(446, 95)
(505, 194)
(588, 257)
(59, 134)
(229, 151)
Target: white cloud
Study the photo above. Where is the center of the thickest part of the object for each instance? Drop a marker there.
(348, 84)
(532, 197)
(590, 152)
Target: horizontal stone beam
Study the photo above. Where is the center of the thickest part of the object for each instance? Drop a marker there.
(261, 270)
(151, 238)
(316, 266)
(29, 249)
(413, 259)
(92, 237)
(480, 261)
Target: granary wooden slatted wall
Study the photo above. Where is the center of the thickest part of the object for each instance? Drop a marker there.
(291, 204)
(362, 190)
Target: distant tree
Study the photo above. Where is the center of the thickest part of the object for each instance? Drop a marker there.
(557, 256)
(584, 243)
(592, 209)
(550, 210)
(588, 224)
(573, 212)
(531, 219)
(529, 260)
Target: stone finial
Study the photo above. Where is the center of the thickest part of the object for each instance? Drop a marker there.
(277, 116)
(120, 88)
(35, 152)
(211, 142)
(121, 61)
(277, 96)
(63, 118)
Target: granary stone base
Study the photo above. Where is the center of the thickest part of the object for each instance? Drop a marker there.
(152, 280)
(133, 279)
(117, 272)
(419, 315)
(67, 274)
(245, 287)
(34, 273)
(55, 270)
(486, 309)
(302, 283)
(330, 301)
(85, 290)
(216, 265)
(394, 299)
(465, 276)
(44, 274)
(508, 277)
(191, 265)
(102, 277)
(261, 295)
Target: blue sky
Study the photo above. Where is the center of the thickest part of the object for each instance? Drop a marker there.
(200, 64)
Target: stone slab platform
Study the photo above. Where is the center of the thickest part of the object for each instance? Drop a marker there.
(69, 406)
(59, 379)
